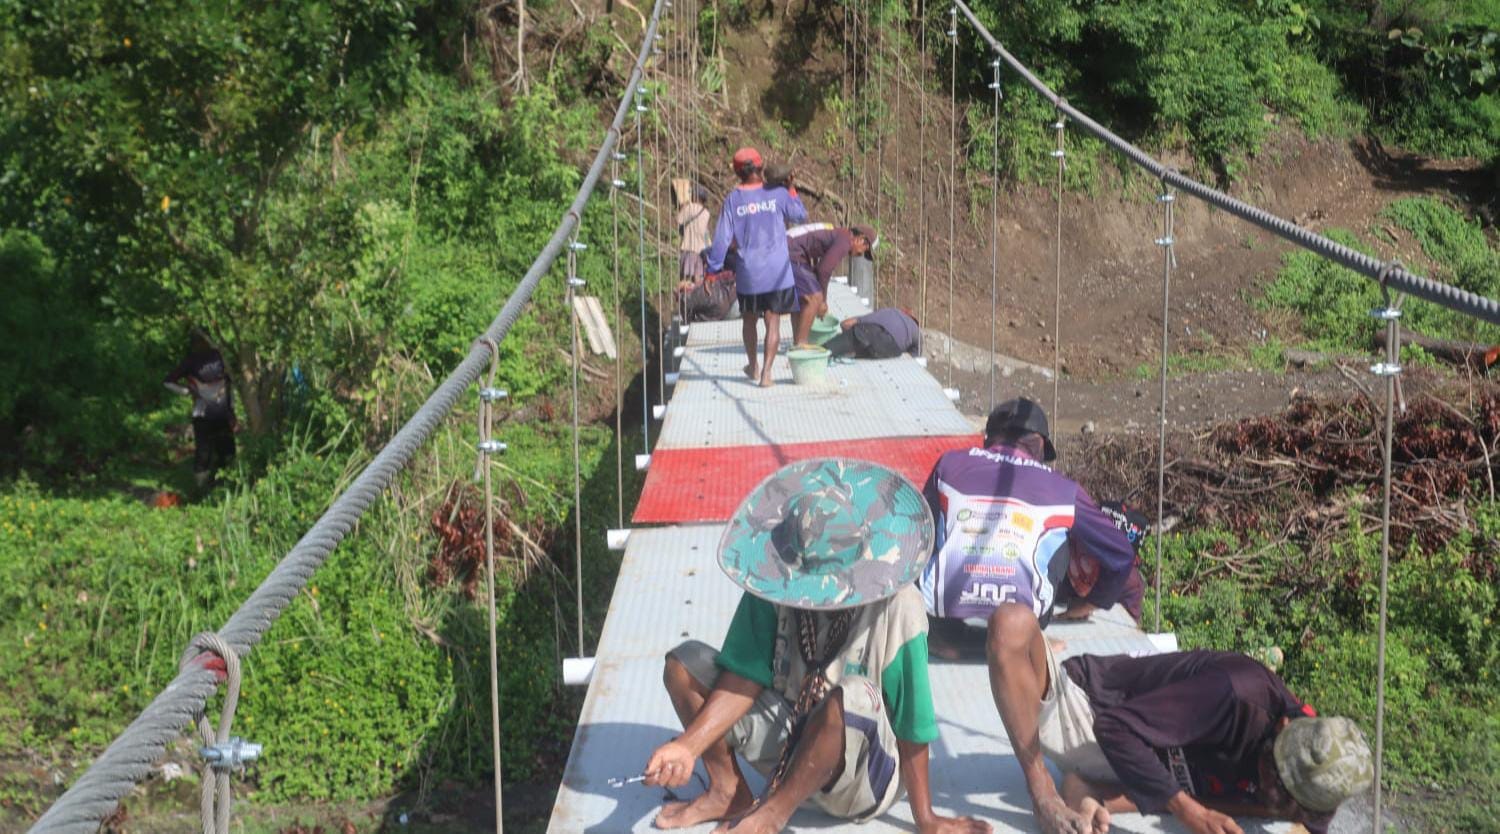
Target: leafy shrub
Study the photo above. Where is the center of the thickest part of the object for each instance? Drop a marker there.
(1334, 302)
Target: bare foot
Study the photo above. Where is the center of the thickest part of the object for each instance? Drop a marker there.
(708, 807)
(766, 381)
(751, 372)
(1097, 814)
(761, 821)
(1055, 817)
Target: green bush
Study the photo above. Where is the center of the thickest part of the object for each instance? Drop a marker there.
(1334, 303)
(373, 678)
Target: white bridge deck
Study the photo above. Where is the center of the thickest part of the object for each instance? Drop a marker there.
(670, 589)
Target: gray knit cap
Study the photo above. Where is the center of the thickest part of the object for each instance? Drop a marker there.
(1323, 761)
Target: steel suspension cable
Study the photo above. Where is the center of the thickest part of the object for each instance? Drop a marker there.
(1168, 260)
(656, 167)
(488, 396)
(880, 96)
(616, 184)
(921, 165)
(640, 235)
(1061, 154)
(898, 210)
(1390, 370)
(1398, 280)
(995, 223)
(575, 349)
(129, 758)
(952, 173)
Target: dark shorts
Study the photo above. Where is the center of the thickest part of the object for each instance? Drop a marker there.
(865, 341)
(775, 301)
(805, 281)
(213, 444)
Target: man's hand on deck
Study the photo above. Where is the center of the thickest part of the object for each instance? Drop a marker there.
(954, 825)
(1079, 610)
(1199, 818)
(671, 766)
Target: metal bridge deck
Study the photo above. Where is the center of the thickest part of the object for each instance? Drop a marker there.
(670, 589)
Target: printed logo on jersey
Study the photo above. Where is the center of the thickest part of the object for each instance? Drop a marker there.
(755, 208)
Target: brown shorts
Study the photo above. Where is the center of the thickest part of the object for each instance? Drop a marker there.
(870, 783)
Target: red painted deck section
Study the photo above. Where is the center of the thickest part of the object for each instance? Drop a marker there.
(701, 485)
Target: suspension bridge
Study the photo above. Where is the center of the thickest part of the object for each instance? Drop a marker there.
(718, 436)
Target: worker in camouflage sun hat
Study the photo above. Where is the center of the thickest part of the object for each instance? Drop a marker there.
(1238, 745)
(821, 684)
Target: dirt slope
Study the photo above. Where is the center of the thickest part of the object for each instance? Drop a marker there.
(784, 63)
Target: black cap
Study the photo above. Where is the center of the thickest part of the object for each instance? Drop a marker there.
(1024, 415)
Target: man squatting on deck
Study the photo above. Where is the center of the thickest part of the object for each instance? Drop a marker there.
(1204, 735)
(821, 684)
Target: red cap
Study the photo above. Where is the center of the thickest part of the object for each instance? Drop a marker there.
(747, 158)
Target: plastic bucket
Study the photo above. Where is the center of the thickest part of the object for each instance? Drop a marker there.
(823, 329)
(809, 365)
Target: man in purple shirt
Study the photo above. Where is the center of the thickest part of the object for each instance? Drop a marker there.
(753, 220)
(815, 255)
(883, 334)
(1007, 529)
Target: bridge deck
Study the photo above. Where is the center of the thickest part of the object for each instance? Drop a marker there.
(670, 587)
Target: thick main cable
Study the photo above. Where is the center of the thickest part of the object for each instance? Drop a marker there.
(129, 759)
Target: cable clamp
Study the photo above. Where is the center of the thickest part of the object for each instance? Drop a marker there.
(1059, 153)
(953, 34)
(618, 157)
(617, 183)
(1165, 241)
(491, 395)
(491, 447)
(232, 755)
(1058, 125)
(1386, 313)
(640, 108)
(994, 85)
(640, 90)
(575, 282)
(577, 245)
(1166, 198)
(1385, 369)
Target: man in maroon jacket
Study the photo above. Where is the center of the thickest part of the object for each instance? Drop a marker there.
(815, 255)
(1204, 735)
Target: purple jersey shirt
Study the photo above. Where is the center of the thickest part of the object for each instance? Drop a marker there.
(1002, 520)
(754, 220)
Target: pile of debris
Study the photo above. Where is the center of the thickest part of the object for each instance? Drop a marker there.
(1300, 479)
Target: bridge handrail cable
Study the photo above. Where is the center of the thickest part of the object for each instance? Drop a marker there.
(129, 758)
(1394, 277)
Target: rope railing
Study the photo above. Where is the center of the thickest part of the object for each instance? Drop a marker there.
(1398, 279)
(129, 758)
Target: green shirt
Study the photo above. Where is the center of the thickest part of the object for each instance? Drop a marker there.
(887, 643)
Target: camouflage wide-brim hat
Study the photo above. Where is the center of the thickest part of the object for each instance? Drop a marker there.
(828, 533)
(1323, 761)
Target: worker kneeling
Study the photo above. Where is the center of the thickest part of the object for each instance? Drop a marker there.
(822, 682)
(1201, 734)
